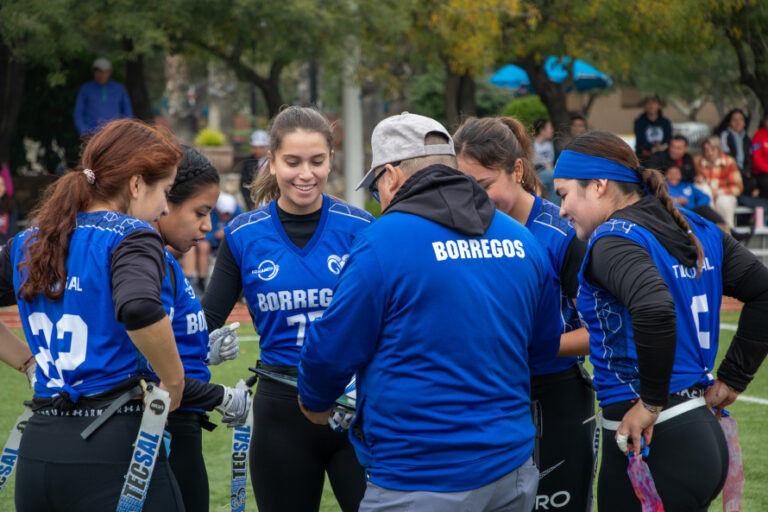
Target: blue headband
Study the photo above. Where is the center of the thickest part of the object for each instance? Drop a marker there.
(579, 166)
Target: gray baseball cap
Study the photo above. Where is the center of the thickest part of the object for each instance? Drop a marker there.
(102, 64)
(402, 137)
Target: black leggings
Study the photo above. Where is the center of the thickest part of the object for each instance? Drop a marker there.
(688, 460)
(187, 461)
(565, 452)
(289, 456)
(60, 472)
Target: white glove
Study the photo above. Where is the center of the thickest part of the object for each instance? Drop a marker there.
(235, 406)
(223, 344)
(340, 419)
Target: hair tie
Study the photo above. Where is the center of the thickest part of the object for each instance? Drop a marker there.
(640, 169)
(89, 174)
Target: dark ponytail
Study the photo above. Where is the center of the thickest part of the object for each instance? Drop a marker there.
(116, 152)
(609, 146)
(497, 143)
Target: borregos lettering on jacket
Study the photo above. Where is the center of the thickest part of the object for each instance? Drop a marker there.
(478, 249)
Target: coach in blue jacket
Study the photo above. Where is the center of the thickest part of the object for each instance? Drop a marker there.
(434, 311)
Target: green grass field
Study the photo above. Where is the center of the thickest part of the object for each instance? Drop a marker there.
(752, 419)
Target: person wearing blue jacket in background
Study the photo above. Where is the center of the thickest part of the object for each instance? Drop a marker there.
(496, 152)
(434, 312)
(686, 195)
(650, 292)
(101, 100)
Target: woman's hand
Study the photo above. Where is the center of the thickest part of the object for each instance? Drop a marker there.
(719, 396)
(637, 422)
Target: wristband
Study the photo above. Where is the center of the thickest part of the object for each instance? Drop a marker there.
(655, 409)
(26, 364)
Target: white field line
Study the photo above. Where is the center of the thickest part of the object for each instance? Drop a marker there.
(248, 338)
(728, 327)
(752, 400)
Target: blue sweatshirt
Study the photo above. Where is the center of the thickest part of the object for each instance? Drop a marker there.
(98, 104)
(695, 197)
(438, 325)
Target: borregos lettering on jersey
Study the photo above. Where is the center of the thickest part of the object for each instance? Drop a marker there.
(474, 248)
(288, 300)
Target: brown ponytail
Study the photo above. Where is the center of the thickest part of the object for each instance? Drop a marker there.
(497, 143)
(611, 147)
(264, 188)
(119, 150)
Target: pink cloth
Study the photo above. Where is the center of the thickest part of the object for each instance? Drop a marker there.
(6, 175)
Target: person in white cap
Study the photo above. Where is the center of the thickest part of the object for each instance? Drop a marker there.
(254, 164)
(100, 100)
(434, 311)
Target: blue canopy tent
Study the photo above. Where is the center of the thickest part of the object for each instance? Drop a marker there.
(585, 76)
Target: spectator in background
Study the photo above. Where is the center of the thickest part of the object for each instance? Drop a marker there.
(9, 214)
(100, 100)
(686, 195)
(676, 154)
(577, 126)
(722, 175)
(226, 209)
(653, 131)
(760, 157)
(735, 142)
(253, 164)
(544, 156)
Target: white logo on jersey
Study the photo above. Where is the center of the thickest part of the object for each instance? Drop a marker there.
(267, 270)
(336, 263)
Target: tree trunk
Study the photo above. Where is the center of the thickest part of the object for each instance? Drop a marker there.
(452, 89)
(552, 94)
(13, 73)
(136, 84)
(467, 106)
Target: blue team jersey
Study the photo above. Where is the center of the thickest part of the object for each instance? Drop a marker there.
(554, 234)
(697, 307)
(78, 344)
(188, 320)
(285, 287)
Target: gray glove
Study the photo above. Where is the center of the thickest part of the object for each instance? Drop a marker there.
(31, 373)
(235, 406)
(223, 344)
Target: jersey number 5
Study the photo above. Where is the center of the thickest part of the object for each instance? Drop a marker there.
(302, 320)
(66, 361)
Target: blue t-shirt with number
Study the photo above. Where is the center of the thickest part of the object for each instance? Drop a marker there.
(554, 234)
(697, 306)
(189, 326)
(78, 344)
(287, 287)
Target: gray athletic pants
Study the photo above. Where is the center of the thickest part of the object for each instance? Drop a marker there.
(514, 492)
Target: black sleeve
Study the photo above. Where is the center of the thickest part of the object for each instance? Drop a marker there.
(569, 273)
(628, 272)
(138, 270)
(201, 395)
(745, 278)
(7, 292)
(224, 289)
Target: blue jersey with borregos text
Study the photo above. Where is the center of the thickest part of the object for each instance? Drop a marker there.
(188, 320)
(78, 344)
(554, 233)
(697, 307)
(285, 287)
